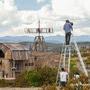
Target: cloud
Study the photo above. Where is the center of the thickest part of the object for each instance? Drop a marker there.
(40, 1)
(51, 14)
(7, 5)
(76, 8)
(45, 11)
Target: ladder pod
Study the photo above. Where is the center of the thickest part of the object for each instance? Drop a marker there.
(60, 62)
(67, 58)
(64, 50)
(69, 61)
(64, 57)
(80, 58)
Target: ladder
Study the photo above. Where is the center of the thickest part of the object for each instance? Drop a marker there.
(65, 60)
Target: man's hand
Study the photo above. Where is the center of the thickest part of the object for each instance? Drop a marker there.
(71, 32)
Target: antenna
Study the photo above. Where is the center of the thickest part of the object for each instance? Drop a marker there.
(39, 41)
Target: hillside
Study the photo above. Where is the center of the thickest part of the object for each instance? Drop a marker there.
(50, 39)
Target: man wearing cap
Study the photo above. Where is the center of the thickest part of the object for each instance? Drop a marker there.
(68, 28)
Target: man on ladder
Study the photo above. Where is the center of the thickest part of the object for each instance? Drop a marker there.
(68, 28)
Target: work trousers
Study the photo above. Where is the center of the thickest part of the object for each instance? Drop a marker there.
(67, 38)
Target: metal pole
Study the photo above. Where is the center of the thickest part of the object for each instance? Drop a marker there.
(69, 61)
(13, 69)
(80, 58)
(64, 57)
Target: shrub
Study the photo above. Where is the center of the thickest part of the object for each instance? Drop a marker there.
(48, 75)
(37, 77)
(3, 83)
(21, 81)
(33, 78)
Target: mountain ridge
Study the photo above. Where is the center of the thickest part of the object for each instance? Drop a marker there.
(51, 39)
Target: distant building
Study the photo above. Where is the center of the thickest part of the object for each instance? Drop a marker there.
(14, 59)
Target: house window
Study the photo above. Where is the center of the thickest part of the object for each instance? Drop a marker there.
(30, 64)
(1, 54)
(26, 64)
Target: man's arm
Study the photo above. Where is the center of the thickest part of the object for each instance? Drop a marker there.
(67, 76)
(64, 27)
(71, 26)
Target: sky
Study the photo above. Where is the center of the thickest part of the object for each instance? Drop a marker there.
(16, 15)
